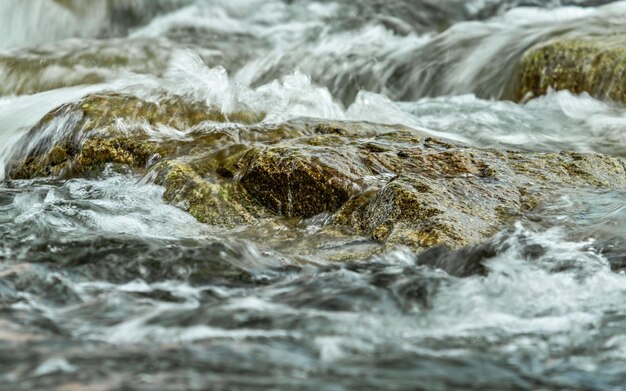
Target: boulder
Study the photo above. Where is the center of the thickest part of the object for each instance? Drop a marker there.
(596, 65)
(218, 203)
(113, 128)
(391, 184)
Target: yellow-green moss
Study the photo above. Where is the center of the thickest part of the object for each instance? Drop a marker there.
(224, 203)
(225, 162)
(130, 151)
(92, 154)
(324, 140)
(596, 65)
(52, 163)
(109, 128)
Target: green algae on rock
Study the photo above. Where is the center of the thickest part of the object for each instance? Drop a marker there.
(596, 65)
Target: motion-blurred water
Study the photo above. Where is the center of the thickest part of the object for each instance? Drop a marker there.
(105, 286)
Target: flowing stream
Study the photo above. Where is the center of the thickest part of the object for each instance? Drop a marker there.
(103, 285)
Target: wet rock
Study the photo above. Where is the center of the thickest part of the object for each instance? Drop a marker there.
(596, 65)
(111, 128)
(296, 181)
(391, 184)
(421, 213)
(225, 203)
(438, 195)
(414, 190)
(197, 169)
(77, 62)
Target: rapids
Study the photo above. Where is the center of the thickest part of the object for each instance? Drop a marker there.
(103, 285)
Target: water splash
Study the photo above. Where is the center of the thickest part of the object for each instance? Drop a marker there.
(558, 121)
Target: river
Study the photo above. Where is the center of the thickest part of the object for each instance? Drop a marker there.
(104, 285)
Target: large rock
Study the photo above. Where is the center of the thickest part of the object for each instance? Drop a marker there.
(194, 159)
(596, 65)
(391, 184)
(112, 128)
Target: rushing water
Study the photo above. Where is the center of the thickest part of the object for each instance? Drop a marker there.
(105, 286)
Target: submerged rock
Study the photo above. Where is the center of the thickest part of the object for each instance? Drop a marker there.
(596, 65)
(391, 184)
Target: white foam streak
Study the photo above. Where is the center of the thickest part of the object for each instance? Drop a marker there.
(521, 295)
(116, 205)
(19, 113)
(380, 109)
(192, 15)
(291, 96)
(558, 121)
(137, 332)
(189, 75)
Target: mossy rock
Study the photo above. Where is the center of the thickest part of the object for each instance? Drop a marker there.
(92, 155)
(103, 110)
(596, 65)
(197, 169)
(297, 181)
(110, 128)
(421, 213)
(567, 169)
(437, 196)
(403, 188)
(391, 184)
(216, 203)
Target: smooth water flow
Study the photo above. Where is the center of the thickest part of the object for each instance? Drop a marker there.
(103, 285)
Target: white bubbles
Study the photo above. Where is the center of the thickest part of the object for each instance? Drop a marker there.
(558, 121)
(291, 96)
(112, 205)
(188, 75)
(562, 288)
(295, 96)
(380, 109)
